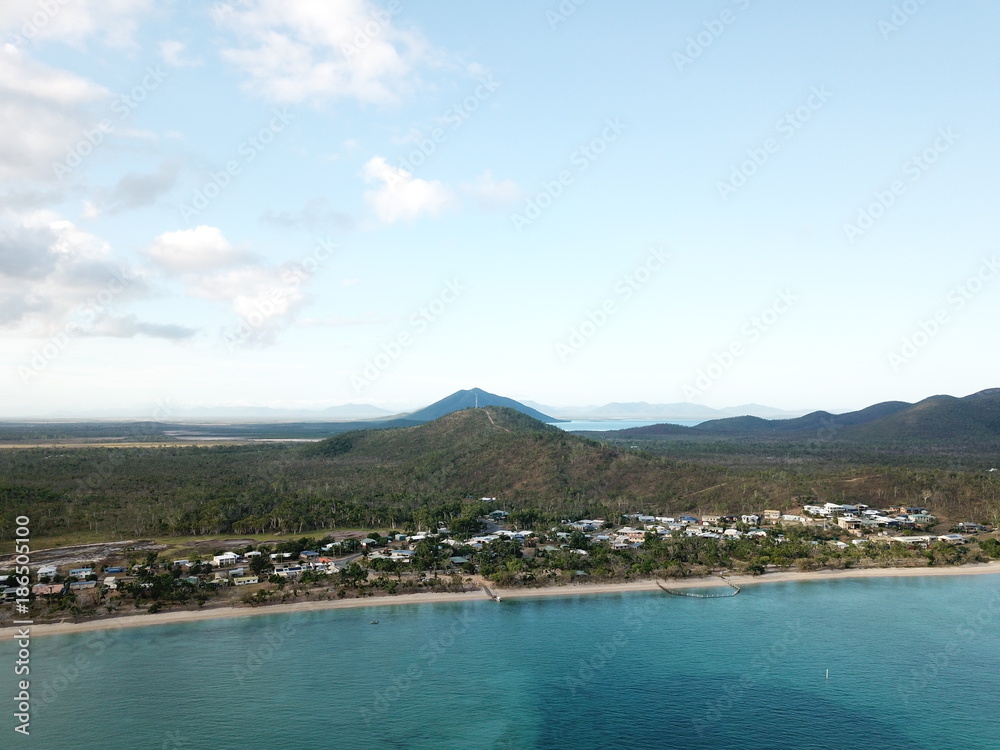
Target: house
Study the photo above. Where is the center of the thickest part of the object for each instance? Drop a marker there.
(280, 555)
(750, 519)
(952, 539)
(966, 526)
(81, 573)
(403, 555)
(308, 555)
(116, 569)
(225, 559)
(77, 585)
(772, 516)
(48, 589)
(710, 520)
(47, 570)
(245, 580)
(688, 519)
(851, 523)
(252, 554)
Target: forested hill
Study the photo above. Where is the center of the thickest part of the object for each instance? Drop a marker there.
(939, 419)
(498, 450)
(431, 473)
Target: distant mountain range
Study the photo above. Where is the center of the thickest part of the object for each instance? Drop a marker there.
(641, 410)
(938, 418)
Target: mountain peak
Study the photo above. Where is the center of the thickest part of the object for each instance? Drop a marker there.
(471, 398)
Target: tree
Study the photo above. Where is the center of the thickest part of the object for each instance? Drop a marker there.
(260, 564)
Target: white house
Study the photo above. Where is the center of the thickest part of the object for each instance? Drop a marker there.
(225, 559)
(47, 570)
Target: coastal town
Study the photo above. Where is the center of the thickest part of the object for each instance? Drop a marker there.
(342, 565)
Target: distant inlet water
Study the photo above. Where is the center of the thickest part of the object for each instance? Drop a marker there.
(579, 425)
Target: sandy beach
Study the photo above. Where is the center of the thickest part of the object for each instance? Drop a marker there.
(183, 616)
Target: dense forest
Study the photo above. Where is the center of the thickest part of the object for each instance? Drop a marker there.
(434, 473)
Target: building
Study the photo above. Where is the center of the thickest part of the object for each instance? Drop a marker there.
(48, 589)
(952, 539)
(772, 516)
(225, 560)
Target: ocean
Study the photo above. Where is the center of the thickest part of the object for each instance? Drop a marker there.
(913, 663)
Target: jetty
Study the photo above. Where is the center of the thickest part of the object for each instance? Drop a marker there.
(489, 592)
(674, 592)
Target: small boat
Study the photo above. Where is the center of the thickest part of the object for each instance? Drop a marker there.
(374, 622)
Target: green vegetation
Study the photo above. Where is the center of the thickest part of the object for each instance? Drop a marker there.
(436, 473)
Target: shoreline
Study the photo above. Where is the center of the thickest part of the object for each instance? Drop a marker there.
(585, 589)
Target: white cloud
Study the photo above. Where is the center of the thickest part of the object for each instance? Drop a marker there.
(489, 193)
(53, 275)
(213, 269)
(403, 197)
(43, 113)
(73, 21)
(301, 50)
(172, 53)
(135, 190)
(203, 248)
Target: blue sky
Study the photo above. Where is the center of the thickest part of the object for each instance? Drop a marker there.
(299, 204)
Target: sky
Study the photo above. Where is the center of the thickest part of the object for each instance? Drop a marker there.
(297, 204)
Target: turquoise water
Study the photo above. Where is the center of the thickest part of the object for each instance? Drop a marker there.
(914, 663)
